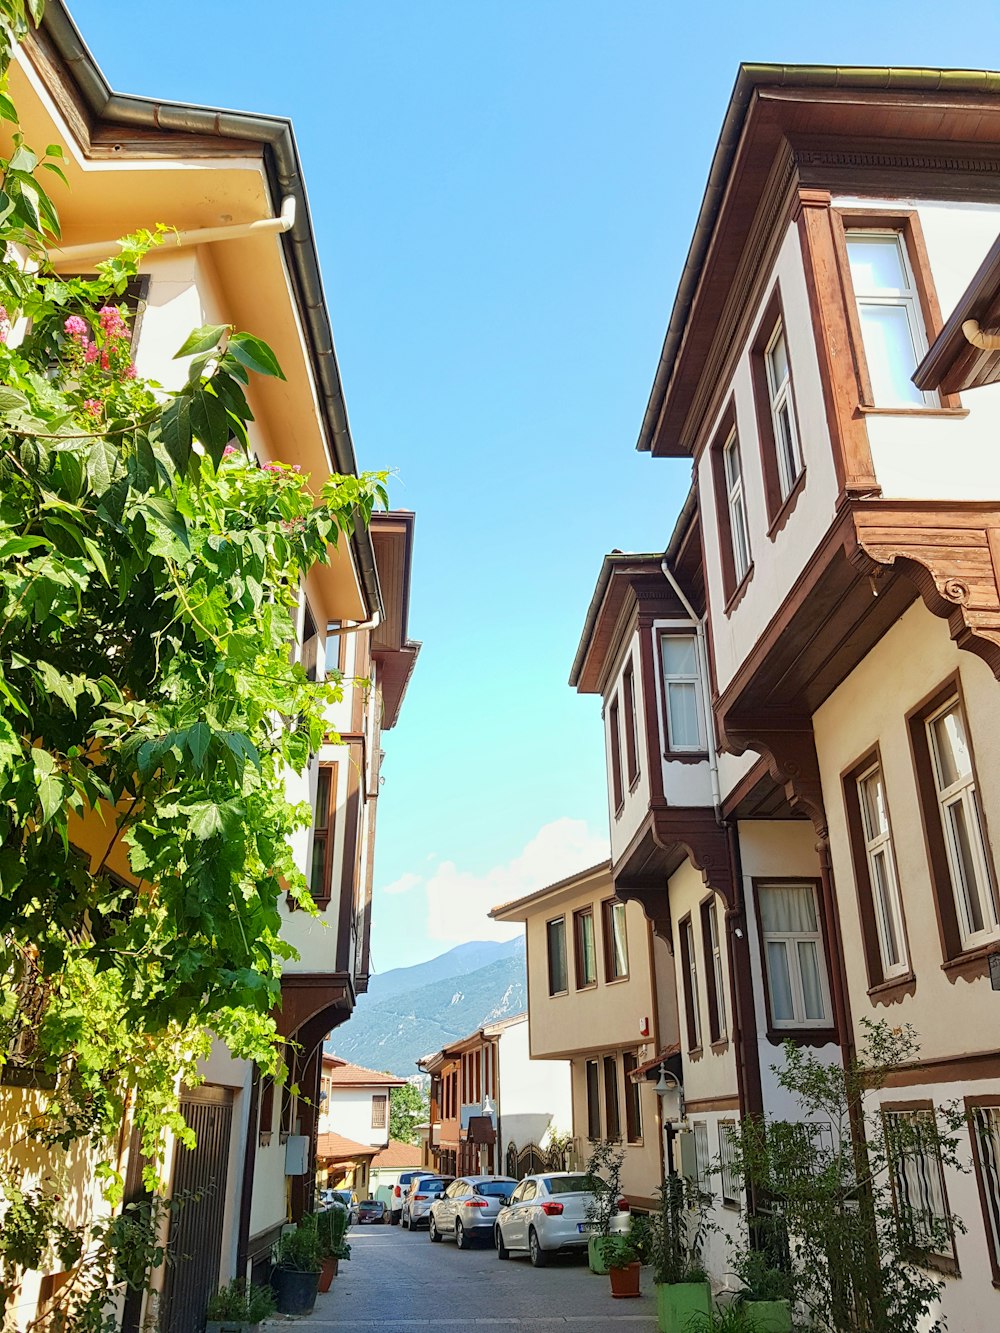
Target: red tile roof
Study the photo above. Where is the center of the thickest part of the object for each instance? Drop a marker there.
(398, 1154)
(338, 1149)
(343, 1074)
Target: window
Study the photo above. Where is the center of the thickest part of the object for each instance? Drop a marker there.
(961, 819)
(735, 503)
(611, 1112)
(633, 1098)
(615, 940)
(793, 954)
(892, 326)
(714, 980)
(593, 1100)
(984, 1126)
(614, 740)
(700, 1130)
(378, 1110)
(882, 872)
(310, 654)
(689, 978)
(782, 411)
(728, 1179)
(334, 647)
(321, 869)
(631, 749)
(586, 950)
(555, 938)
(918, 1187)
(682, 694)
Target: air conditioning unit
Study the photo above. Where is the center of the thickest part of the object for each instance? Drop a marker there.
(297, 1155)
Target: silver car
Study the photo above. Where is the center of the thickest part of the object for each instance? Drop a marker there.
(468, 1208)
(419, 1197)
(548, 1213)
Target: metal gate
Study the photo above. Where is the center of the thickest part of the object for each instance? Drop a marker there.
(196, 1228)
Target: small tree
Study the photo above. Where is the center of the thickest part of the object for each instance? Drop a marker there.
(604, 1174)
(408, 1106)
(840, 1212)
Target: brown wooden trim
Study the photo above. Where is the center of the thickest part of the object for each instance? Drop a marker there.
(552, 921)
(788, 505)
(647, 668)
(744, 786)
(969, 1067)
(628, 700)
(894, 990)
(739, 592)
(615, 745)
(831, 328)
(727, 425)
(746, 1045)
(971, 1103)
(352, 832)
(699, 1104)
(878, 984)
(943, 1263)
(329, 835)
(607, 940)
(907, 223)
(777, 506)
(362, 670)
(690, 999)
(801, 1036)
(971, 964)
(678, 632)
(714, 1014)
(578, 916)
(956, 412)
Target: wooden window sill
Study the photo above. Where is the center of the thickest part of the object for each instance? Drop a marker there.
(973, 962)
(620, 810)
(784, 511)
(803, 1036)
(686, 756)
(695, 1052)
(893, 988)
(587, 985)
(615, 981)
(721, 1046)
(867, 411)
(633, 783)
(736, 596)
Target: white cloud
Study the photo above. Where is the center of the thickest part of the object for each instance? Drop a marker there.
(407, 881)
(458, 900)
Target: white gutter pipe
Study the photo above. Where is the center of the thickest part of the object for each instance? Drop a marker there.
(986, 342)
(702, 647)
(95, 250)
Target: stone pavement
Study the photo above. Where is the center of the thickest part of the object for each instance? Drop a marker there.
(398, 1280)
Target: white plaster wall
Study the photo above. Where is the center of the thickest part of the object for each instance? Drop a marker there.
(723, 1222)
(777, 562)
(534, 1094)
(939, 457)
(636, 804)
(783, 849)
(642, 1167)
(350, 1114)
(683, 784)
(268, 1202)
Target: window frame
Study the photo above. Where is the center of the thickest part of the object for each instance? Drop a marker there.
(862, 852)
(927, 309)
(380, 1099)
(631, 733)
(683, 753)
(612, 1099)
(989, 1196)
(733, 582)
(808, 1033)
(328, 835)
(615, 743)
(967, 960)
(729, 1185)
(689, 983)
(779, 494)
(633, 1098)
(594, 1118)
(579, 916)
(557, 921)
(946, 1263)
(608, 910)
(715, 984)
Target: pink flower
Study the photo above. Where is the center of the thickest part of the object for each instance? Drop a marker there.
(76, 327)
(5, 324)
(111, 321)
(129, 371)
(91, 354)
(93, 406)
(272, 467)
(105, 360)
(229, 450)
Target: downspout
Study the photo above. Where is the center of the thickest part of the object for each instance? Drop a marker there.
(709, 721)
(986, 342)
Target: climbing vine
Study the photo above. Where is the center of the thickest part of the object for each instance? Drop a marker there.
(149, 576)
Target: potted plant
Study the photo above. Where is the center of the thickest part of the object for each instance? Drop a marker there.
(604, 1173)
(331, 1230)
(239, 1308)
(297, 1268)
(682, 1287)
(767, 1294)
(621, 1259)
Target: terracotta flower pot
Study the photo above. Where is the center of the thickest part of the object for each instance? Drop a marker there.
(625, 1281)
(328, 1272)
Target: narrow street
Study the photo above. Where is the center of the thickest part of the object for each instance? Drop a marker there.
(397, 1280)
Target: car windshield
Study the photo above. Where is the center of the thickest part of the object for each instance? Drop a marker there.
(569, 1184)
(370, 1206)
(495, 1189)
(431, 1186)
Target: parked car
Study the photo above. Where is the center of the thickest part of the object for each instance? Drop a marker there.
(371, 1210)
(547, 1213)
(349, 1199)
(399, 1193)
(468, 1208)
(421, 1193)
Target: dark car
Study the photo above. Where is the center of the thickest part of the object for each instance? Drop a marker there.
(371, 1210)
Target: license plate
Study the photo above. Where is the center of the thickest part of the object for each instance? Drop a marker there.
(585, 1226)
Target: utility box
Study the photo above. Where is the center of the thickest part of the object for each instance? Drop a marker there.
(297, 1155)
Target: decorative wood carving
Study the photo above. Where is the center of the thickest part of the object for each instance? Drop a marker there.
(951, 554)
(791, 759)
(656, 905)
(697, 831)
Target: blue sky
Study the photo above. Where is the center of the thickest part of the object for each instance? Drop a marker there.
(503, 193)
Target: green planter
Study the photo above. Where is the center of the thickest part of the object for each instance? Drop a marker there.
(678, 1302)
(597, 1264)
(770, 1316)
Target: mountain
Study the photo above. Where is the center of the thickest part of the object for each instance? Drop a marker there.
(413, 1011)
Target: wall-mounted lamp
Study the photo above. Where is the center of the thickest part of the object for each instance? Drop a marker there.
(670, 1090)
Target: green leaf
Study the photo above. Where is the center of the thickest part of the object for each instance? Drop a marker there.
(8, 111)
(11, 400)
(210, 423)
(10, 746)
(94, 551)
(175, 431)
(47, 782)
(205, 820)
(197, 742)
(18, 545)
(203, 340)
(102, 464)
(254, 354)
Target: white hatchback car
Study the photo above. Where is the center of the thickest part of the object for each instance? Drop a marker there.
(469, 1207)
(548, 1213)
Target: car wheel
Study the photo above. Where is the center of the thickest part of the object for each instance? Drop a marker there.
(393, 1220)
(502, 1250)
(538, 1256)
(432, 1230)
(460, 1237)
